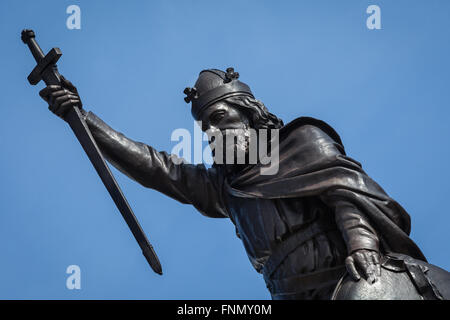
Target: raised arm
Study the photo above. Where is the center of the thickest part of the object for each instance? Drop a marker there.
(187, 183)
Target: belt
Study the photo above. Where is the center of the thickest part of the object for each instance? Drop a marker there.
(301, 283)
(286, 246)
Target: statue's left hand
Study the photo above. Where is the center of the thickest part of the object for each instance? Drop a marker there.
(366, 262)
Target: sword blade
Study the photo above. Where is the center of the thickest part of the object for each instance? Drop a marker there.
(84, 136)
(47, 71)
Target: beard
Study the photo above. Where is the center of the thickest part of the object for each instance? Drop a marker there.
(232, 148)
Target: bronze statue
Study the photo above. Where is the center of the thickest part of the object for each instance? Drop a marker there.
(319, 228)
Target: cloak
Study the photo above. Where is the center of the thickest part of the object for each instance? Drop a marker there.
(312, 162)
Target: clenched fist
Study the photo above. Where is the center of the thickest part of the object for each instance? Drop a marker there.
(61, 98)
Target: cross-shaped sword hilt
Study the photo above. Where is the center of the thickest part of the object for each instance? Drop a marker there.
(46, 65)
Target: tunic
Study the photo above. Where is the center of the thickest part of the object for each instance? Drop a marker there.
(297, 239)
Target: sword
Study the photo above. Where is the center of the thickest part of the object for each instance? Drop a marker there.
(46, 70)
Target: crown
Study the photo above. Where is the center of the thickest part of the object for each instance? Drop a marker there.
(231, 75)
(214, 85)
(191, 93)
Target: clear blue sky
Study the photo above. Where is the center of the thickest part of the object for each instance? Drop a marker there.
(385, 91)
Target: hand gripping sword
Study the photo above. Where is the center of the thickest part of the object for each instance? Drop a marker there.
(46, 70)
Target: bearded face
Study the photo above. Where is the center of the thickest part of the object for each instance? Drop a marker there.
(228, 129)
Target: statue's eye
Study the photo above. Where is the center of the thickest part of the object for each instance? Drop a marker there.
(217, 116)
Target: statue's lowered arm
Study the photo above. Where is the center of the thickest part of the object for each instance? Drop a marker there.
(360, 238)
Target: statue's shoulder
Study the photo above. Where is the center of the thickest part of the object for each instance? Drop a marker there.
(308, 122)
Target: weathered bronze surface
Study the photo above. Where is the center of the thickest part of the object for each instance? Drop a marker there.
(318, 221)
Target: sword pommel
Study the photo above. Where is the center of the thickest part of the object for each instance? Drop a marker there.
(27, 34)
(28, 37)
